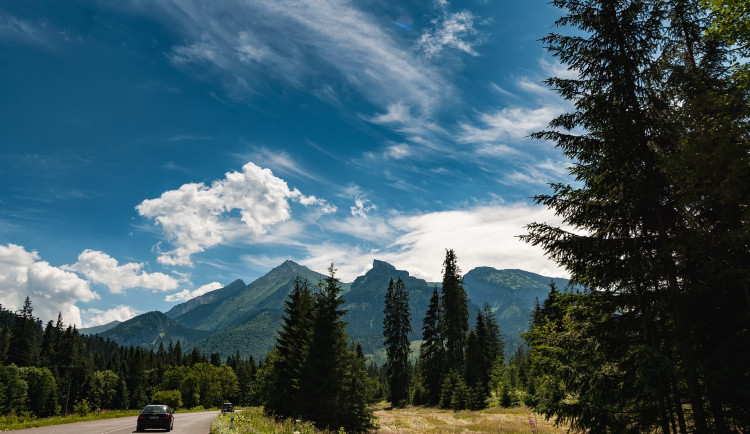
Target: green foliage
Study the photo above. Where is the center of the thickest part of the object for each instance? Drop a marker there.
(13, 390)
(396, 329)
(104, 386)
(287, 363)
(432, 351)
(42, 391)
(172, 398)
(660, 141)
(455, 320)
(82, 408)
(330, 386)
(201, 384)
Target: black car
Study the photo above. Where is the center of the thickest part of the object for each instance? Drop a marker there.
(155, 416)
(227, 406)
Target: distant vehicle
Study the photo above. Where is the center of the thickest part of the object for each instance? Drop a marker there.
(155, 416)
(227, 406)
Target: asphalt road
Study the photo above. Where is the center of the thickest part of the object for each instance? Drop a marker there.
(184, 423)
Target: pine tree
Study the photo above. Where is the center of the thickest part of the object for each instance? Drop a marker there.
(432, 351)
(396, 328)
(665, 254)
(292, 344)
(327, 398)
(455, 309)
(23, 351)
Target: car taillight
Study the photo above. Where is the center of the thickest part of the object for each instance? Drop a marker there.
(166, 416)
(140, 416)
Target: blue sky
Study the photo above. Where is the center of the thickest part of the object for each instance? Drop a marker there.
(152, 151)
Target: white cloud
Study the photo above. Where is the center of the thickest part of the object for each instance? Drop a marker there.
(96, 317)
(243, 43)
(399, 151)
(481, 236)
(186, 294)
(196, 217)
(361, 207)
(508, 123)
(51, 289)
(99, 267)
(452, 31)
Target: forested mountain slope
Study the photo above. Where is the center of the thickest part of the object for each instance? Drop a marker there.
(245, 318)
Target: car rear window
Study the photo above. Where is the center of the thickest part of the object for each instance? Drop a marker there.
(155, 409)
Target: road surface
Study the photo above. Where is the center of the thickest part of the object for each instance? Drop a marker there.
(184, 423)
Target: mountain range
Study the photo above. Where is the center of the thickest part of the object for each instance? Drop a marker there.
(245, 318)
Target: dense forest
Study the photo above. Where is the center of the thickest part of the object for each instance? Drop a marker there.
(655, 335)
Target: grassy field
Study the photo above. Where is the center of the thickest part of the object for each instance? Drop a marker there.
(435, 420)
(402, 420)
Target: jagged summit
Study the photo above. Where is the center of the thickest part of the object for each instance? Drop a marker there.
(377, 264)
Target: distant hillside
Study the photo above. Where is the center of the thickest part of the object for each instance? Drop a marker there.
(207, 298)
(246, 318)
(268, 292)
(511, 294)
(256, 337)
(150, 329)
(98, 329)
(366, 300)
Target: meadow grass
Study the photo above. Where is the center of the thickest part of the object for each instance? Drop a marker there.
(252, 420)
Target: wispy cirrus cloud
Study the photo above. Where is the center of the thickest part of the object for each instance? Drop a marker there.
(18, 30)
(246, 44)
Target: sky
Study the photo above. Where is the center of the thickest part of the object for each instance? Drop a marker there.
(153, 151)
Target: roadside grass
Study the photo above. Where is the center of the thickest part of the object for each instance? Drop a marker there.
(252, 419)
(399, 420)
(12, 421)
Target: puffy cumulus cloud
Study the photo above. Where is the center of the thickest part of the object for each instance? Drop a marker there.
(186, 294)
(196, 216)
(99, 267)
(455, 30)
(52, 290)
(96, 317)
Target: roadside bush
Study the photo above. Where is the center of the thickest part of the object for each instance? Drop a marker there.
(82, 408)
(172, 398)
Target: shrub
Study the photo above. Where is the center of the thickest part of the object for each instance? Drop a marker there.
(82, 408)
(172, 398)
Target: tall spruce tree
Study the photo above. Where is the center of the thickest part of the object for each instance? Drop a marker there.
(455, 309)
(659, 140)
(432, 350)
(22, 349)
(292, 344)
(327, 397)
(396, 328)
